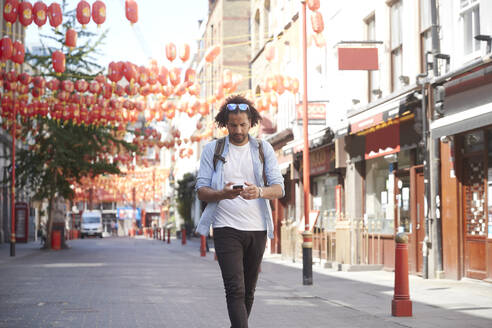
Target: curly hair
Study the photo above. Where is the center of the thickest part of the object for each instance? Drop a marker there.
(222, 117)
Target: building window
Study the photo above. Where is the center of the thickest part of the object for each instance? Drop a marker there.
(266, 22)
(372, 83)
(396, 45)
(470, 16)
(256, 34)
(425, 32)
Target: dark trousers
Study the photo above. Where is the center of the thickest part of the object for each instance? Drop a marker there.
(239, 254)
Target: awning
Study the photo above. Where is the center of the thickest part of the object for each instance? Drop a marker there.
(383, 142)
(462, 121)
(382, 112)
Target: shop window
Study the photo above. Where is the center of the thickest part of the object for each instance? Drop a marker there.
(325, 187)
(379, 185)
(470, 16)
(489, 183)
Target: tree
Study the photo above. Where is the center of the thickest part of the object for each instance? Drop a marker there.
(185, 198)
(61, 153)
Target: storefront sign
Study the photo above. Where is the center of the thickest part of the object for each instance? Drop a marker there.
(316, 113)
(322, 160)
(383, 142)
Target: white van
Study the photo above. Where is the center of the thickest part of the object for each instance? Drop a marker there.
(91, 224)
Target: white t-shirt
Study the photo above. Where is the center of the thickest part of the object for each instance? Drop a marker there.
(239, 213)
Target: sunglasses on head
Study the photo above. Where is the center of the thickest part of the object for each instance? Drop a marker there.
(233, 106)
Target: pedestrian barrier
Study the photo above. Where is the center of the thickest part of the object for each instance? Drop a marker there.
(183, 236)
(203, 246)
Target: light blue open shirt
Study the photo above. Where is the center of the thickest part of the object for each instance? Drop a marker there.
(207, 177)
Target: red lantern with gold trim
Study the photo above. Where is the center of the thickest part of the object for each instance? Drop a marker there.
(6, 49)
(53, 84)
(81, 85)
(190, 76)
(83, 13)
(25, 13)
(39, 11)
(175, 76)
(313, 4)
(94, 87)
(18, 53)
(317, 22)
(25, 78)
(129, 71)
(55, 15)
(227, 78)
(71, 38)
(67, 86)
(131, 11)
(170, 51)
(212, 53)
(143, 75)
(10, 9)
(115, 72)
(184, 52)
(98, 12)
(270, 52)
(163, 75)
(58, 59)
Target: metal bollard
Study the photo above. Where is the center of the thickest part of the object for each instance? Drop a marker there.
(401, 305)
(168, 236)
(203, 247)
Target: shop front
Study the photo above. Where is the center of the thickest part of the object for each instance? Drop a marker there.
(385, 154)
(465, 132)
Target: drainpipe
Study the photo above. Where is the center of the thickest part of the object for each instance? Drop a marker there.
(422, 79)
(434, 157)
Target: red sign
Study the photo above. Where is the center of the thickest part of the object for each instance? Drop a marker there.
(366, 123)
(316, 113)
(383, 142)
(358, 59)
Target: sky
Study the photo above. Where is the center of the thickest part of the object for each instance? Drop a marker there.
(159, 22)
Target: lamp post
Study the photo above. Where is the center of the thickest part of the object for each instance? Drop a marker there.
(307, 236)
(14, 132)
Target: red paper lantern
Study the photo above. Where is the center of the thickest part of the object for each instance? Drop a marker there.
(115, 72)
(25, 78)
(190, 76)
(6, 49)
(58, 59)
(313, 4)
(81, 85)
(143, 75)
(98, 12)
(94, 87)
(40, 13)
(67, 86)
(54, 84)
(317, 22)
(10, 9)
(212, 53)
(100, 78)
(227, 78)
(129, 71)
(163, 75)
(170, 51)
(18, 53)
(25, 13)
(184, 52)
(83, 13)
(131, 11)
(55, 15)
(119, 90)
(319, 40)
(175, 76)
(71, 38)
(270, 52)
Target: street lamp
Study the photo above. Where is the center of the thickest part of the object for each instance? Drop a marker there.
(307, 235)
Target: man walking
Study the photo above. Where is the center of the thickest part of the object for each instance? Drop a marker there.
(237, 177)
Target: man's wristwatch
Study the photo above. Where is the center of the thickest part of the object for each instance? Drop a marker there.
(260, 190)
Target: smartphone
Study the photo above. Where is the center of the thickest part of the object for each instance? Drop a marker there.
(237, 187)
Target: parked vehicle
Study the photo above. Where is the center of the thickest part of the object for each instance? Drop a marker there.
(91, 224)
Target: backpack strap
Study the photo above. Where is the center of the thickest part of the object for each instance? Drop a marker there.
(262, 159)
(219, 148)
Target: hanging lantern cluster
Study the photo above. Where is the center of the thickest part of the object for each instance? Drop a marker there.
(13, 51)
(317, 24)
(39, 13)
(84, 12)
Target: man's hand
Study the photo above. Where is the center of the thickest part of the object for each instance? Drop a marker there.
(251, 191)
(229, 193)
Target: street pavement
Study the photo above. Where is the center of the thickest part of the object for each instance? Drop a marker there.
(123, 282)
